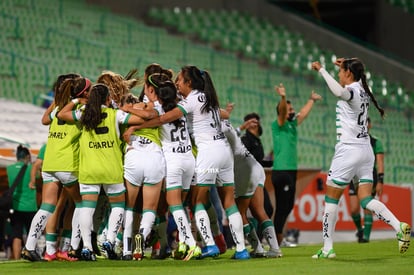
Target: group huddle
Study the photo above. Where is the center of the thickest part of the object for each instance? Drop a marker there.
(171, 144)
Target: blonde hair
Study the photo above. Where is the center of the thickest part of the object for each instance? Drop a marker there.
(117, 84)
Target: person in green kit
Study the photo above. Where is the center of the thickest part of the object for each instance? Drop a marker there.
(24, 200)
(285, 136)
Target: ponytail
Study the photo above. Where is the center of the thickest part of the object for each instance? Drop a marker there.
(356, 67)
(92, 115)
(366, 88)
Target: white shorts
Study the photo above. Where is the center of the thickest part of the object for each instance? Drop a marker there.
(144, 167)
(66, 178)
(248, 174)
(349, 161)
(180, 170)
(215, 166)
(94, 189)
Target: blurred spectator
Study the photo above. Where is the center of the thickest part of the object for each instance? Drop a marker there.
(24, 200)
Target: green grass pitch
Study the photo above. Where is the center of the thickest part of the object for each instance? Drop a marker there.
(375, 257)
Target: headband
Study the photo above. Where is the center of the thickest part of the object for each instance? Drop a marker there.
(87, 85)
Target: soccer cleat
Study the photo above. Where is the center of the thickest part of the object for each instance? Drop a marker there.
(221, 243)
(360, 235)
(286, 243)
(64, 256)
(241, 255)
(50, 257)
(139, 247)
(152, 238)
(109, 249)
(181, 251)
(126, 257)
(260, 254)
(74, 253)
(194, 251)
(403, 237)
(31, 255)
(274, 253)
(88, 255)
(326, 255)
(209, 251)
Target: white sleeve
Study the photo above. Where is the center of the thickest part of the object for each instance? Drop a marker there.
(186, 105)
(77, 114)
(336, 89)
(122, 117)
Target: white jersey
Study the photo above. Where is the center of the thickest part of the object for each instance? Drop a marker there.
(351, 116)
(205, 127)
(177, 149)
(248, 172)
(175, 139)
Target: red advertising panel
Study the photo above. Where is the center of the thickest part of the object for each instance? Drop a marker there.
(309, 205)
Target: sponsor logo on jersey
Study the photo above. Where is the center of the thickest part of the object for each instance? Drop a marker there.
(57, 135)
(101, 144)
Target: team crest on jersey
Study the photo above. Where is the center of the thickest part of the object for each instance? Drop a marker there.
(201, 98)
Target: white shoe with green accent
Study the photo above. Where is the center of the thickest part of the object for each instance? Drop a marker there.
(403, 237)
(325, 255)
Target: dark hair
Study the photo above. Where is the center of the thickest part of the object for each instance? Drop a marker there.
(62, 78)
(256, 116)
(92, 116)
(60, 98)
(201, 81)
(356, 67)
(165, 90)
(71, 88)
(251, 115)
(22, 152)
(154, 68)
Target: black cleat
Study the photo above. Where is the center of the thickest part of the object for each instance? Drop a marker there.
(31, 255)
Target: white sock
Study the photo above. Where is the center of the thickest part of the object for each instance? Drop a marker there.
(127, 238)
(236, 227)
(269, 234)
(328, 224)
(36, 228)
(203, 224)
(76, 233)
(114, 222)
(51, 241)
(85, 221)
(183, 226)
(384, 214)
(147, 221)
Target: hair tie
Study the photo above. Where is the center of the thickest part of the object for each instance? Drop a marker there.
(150, 80)
(201, 72)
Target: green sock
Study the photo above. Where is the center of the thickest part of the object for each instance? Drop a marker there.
(357, 221)
(367, 226)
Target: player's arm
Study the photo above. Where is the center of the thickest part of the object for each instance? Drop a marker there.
(336, 88)
(304, 112)
(282, 106)
(68, 113)
(36, 167)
